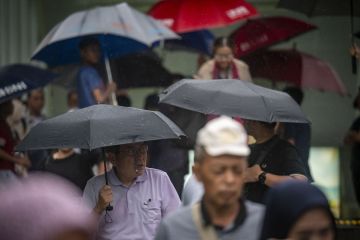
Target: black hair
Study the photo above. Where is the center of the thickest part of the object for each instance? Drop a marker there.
(123, 100)
(88, 41)
(268, 125)
(28, 95)
(71, 92)
(223, 42)
(296, 93)
(152, 101)
(112, 149)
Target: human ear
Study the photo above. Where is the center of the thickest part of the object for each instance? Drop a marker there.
(196, 171)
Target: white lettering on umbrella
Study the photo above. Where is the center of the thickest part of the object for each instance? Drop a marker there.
(168, 22)
(13, 88)
(257, 41)
(237, 12)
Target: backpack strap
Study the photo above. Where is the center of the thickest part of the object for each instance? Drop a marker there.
(205, 232)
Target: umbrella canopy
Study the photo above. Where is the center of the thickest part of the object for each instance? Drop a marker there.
(140, 70)
(264, 32)
(120, 30)
(233, 98)
(197, 41)
(322, 7)
(143, 69)
(190, 15)
(327, 8)
(99, 126)
(18, 79)
(297, 68)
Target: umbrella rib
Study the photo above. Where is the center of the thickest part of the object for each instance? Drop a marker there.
(263, 99)
(82, 22)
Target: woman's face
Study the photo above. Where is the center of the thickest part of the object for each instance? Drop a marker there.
(314, 224)
(223, 57)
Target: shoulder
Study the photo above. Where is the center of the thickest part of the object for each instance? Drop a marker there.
(284, 145)
(253, 208)
(156, 175)
(254, 218)
(178, 225)
(239, 63)
(155, 172)
(181, 217)
(206, 70)
(96, 181)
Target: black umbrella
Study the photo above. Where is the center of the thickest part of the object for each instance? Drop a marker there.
(99, 126)
(326, 8)
(18, 79)
(132, 71)
(234, 98)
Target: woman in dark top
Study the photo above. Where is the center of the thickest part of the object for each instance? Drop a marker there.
(77, 168)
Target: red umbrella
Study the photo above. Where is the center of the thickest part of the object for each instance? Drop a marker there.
(263, 32)
(297, 68)
(191, 15)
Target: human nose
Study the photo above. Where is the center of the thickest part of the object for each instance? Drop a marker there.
(229, 177)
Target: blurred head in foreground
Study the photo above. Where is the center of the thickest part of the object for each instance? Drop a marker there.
(44, 207)
(298, 211)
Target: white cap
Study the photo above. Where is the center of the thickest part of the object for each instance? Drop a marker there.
(222, 136)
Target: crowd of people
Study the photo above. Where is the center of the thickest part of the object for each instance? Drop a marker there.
(237, 190)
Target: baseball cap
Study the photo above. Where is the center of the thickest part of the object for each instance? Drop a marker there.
(223, 135)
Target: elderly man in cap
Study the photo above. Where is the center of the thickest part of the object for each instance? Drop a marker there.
(220, 164)
(140, 196)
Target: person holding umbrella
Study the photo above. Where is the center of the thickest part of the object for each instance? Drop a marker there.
(7, 144)
(90, 87)
(272, 161)
(140, 196)
(224, 65)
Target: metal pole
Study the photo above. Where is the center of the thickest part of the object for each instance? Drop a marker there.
(110, 79)
(353, 58)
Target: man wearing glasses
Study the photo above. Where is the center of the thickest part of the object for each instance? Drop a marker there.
(140, 196)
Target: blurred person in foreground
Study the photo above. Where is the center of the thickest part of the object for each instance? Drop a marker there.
(43, 207)
(8, 160)
(272, 161)
(223, 65)
(90, 87)
(220, 164)
(297, 211)
(140, 196)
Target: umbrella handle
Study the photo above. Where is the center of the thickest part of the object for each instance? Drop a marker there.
(109, 207)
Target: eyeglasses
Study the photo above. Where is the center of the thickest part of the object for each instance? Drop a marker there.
(134, 151)
(223, 56)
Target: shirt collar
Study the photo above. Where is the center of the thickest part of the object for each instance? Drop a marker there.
(240, 218)
(115, 181)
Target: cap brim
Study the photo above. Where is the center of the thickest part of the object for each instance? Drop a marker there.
(228, 150)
